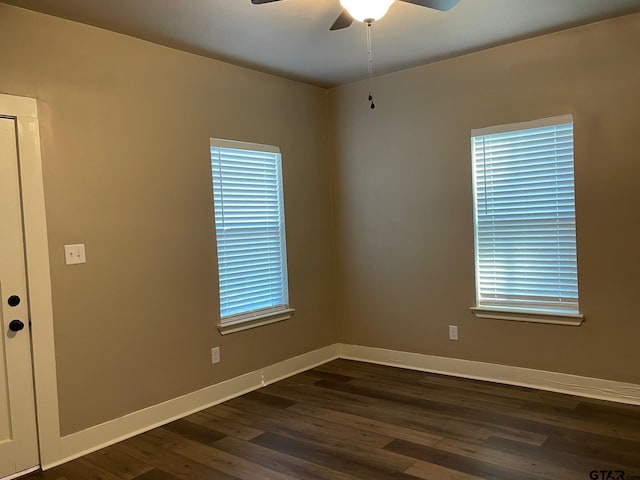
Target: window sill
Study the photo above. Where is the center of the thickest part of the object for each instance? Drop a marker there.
(573, 320)
(257, 321)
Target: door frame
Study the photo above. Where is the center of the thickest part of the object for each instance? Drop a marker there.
(25, 111)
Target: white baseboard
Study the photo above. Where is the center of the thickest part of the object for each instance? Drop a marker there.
(86, 441)
(524, 377)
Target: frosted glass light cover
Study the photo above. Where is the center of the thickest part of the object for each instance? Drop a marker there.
(362, 10)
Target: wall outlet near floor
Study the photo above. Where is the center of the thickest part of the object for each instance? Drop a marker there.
(453, 332)
(215, 355)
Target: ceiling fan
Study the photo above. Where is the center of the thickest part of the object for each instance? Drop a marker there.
(370, 10)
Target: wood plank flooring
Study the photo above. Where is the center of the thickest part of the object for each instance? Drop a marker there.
(347, 420)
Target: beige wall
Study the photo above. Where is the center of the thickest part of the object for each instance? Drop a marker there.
(404, 200)
(125, 129)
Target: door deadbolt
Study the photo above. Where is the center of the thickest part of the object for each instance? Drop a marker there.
(13, 301)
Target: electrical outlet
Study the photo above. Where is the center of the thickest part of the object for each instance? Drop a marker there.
(453, 332)
(215, 355)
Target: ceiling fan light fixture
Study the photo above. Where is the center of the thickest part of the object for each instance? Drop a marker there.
(363, 10)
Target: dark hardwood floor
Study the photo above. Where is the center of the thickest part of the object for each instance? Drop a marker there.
(348, 420)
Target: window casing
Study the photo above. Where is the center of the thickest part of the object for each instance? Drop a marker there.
(524, 217)
(250, 234)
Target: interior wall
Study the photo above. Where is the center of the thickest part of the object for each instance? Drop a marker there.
(125, 128)
(405, 206)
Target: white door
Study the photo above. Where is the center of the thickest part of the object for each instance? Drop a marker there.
(18, 436)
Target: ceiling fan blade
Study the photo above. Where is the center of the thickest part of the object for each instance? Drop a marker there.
(343, 21)
(260, 2)
(442, 5)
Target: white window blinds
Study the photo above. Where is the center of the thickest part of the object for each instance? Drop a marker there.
(525, 216)
(250, 232)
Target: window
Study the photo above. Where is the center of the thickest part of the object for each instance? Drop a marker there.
(524, 212)
(250, 234)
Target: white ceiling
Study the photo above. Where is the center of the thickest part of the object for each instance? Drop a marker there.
(292, 38)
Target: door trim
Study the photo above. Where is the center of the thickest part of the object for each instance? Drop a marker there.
(22, 473)
(25, 111)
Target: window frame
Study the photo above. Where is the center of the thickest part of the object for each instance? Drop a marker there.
(492, 309)
(261, 316)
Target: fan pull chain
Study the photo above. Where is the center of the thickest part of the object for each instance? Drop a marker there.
(370, 62)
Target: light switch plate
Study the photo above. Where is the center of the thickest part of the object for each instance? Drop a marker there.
(74, 254)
